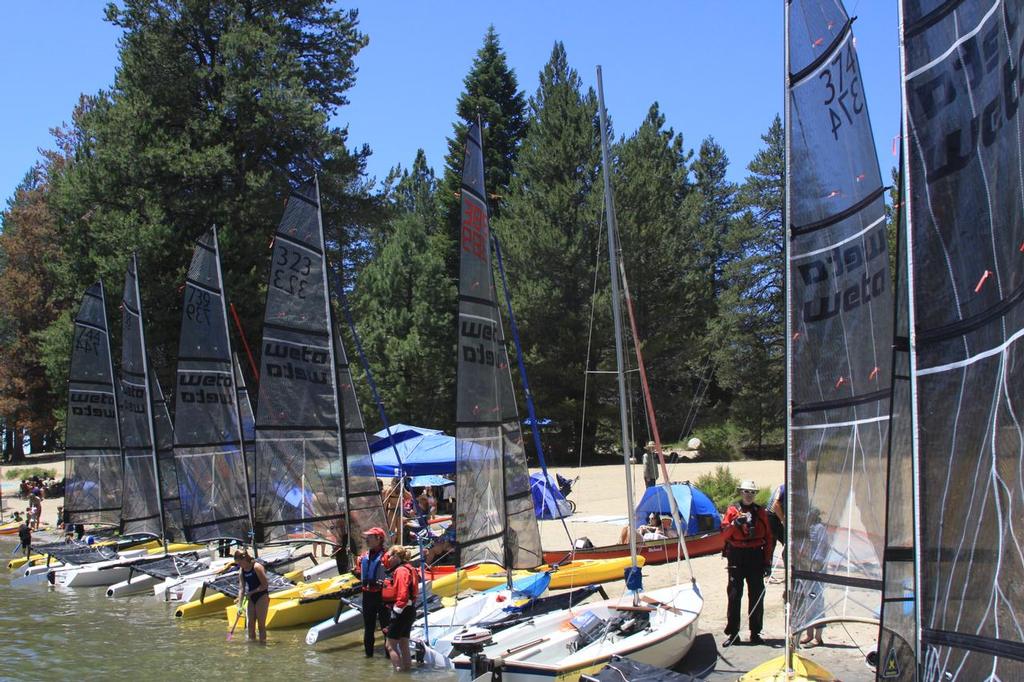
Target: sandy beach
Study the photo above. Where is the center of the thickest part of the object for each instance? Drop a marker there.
(601, 490)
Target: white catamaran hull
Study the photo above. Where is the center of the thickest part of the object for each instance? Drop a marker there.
(543, 649)
(176, 585)
(140, 582)
(350, 620)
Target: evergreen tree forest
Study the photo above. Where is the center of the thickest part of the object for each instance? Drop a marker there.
(218, 108)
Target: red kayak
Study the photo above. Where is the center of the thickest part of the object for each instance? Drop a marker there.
(654, 551)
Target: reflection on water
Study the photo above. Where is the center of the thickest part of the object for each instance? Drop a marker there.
(84, 635)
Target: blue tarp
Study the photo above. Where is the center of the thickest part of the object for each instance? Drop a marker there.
(692, 504)
(422, 452)
(548, 502)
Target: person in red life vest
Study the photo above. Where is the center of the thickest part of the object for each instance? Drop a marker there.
(748, 550)
(400, 595)
(371, 571)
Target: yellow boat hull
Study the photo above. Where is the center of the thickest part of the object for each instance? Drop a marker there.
(453, 583)
(800, 670)
(302, 605)
(566, 576)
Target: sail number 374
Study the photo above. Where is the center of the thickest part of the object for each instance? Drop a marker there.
(842, 86)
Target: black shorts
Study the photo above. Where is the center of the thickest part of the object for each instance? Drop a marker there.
(401, 626)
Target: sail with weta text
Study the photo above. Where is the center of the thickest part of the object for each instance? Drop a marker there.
(299, 460)
(494, 512)
(840, 321)
(208, 440)
(965, 251)
(142, 511)
(93, 462)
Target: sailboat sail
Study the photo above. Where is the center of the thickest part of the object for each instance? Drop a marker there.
(897, 632)
(92, 466)
(840, 318)
(494, 516)
(299, 465)
(248, 420)
(365, 509)
(141, 512)
(163, 428)
(208, 435)
(962, 143)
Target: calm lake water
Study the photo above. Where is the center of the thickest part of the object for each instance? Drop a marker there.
(84, 635)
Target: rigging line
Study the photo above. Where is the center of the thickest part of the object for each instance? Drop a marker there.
(590, 339)
(534, 426)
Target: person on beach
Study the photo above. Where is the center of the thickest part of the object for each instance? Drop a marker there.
(252, 583)
(650, 462)
(818, 552)
(654, 529)
(25, 536)
(748, 548)
(370, 568)
(35, 505)
(399, 595)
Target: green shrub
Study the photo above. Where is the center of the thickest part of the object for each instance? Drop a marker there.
(722, 442)
(720, 486)
(21, 474)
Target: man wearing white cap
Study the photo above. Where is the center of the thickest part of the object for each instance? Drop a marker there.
(748, 547)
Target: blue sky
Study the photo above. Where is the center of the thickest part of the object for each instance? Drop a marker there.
(714, 67)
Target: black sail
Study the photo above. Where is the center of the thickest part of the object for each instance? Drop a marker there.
(248, 420)
(962, 142)
(208, 433)
(840, 318)
(93, 461)
(163, 428)
(494, 515)
(141, 509)
(364, 506)
(299, 463)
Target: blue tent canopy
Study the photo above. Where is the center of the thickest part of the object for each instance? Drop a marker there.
(422, 452)
(548, 502)
(692, 503)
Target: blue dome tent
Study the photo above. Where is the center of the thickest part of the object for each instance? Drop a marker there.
(548, 502)
(695, 508)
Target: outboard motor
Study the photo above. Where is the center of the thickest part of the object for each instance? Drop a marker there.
(471, 642)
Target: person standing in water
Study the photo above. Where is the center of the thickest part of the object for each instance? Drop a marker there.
(399, 594)
(252, 583)
(371, 571)
(25, 536)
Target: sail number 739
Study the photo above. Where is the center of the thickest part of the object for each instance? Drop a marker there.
(842, 86)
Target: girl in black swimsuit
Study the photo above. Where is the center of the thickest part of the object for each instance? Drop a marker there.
(252, 583)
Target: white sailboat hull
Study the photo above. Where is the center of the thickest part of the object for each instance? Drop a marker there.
(543, 649)
(350, 620)
(175, 585)
(139, 582)
(103, 574)
(325, 569)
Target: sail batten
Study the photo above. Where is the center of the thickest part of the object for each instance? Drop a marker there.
(840, 326)
(494, 516)
(208, 435)
(93, 467)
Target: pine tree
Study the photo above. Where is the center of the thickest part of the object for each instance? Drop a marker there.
(549, 229)
(750, 329)
(404, 305)
(217, 108)
(651, 187)
(491, 91)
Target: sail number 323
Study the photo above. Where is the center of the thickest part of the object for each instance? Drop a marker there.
(290, 271)
(843, 95)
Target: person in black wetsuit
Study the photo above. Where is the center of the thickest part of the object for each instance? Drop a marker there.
(252, 583)
(25, 536)
(371, 571)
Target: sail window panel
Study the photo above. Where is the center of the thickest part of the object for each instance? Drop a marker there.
(480, 492)
(93, 467)
(301, 486)
(523, 533)
(961, 88)
(205, 474)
